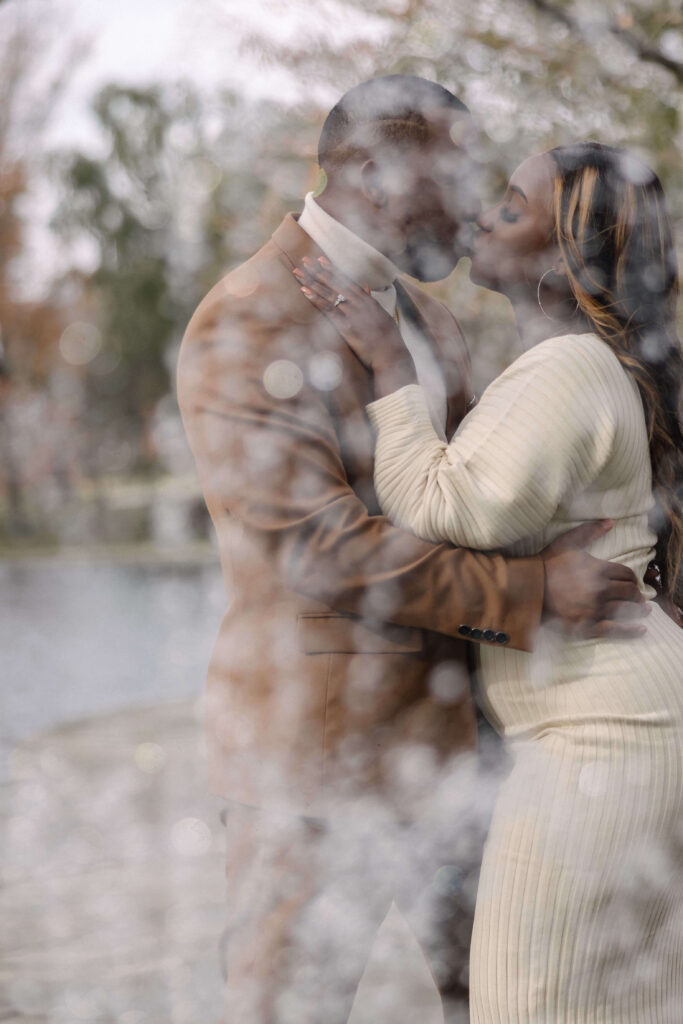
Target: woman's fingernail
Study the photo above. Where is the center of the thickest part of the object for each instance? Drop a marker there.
(306, 291)
(297, 273)
(306, 261)
(323, 259)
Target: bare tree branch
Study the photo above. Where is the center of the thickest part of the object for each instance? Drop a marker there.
(640, 46)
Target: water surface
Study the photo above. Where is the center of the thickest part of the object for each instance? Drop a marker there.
(81, 639)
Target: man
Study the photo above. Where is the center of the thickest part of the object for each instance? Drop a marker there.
(338, 708)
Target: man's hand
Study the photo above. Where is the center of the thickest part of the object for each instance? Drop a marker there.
(586, 596)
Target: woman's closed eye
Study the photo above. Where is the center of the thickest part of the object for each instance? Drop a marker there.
(506, 215)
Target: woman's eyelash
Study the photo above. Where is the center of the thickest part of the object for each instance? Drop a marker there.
(509, 217)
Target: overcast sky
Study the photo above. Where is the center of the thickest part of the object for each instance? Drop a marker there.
(200, 40)
(141, 41)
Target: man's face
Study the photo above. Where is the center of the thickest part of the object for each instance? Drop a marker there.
(432, 200)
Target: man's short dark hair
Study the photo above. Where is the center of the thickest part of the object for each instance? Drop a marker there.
(393, 108)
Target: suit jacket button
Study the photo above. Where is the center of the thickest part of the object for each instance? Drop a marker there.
(502, 638)
(476, 633)
(464, 630)
(489, 635)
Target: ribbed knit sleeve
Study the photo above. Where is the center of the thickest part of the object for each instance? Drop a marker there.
(541, 432)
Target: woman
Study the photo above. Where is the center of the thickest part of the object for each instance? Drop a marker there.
(579, 909)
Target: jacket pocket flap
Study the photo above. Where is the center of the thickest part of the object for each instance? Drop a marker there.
(320, 633)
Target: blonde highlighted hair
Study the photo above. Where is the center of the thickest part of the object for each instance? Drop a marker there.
(616, 239)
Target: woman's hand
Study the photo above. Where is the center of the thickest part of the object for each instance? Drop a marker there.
(368, 330)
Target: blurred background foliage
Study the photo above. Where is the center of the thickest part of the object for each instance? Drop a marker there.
(183, 183)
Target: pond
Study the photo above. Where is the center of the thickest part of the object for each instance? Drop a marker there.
(81, 638)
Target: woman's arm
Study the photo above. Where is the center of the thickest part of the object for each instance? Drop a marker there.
(540, 432)
(371, 335)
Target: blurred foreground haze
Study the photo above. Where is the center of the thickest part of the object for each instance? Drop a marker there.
(145, 148)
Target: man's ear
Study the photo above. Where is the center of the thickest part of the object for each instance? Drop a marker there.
(320, 183)
(371, 184)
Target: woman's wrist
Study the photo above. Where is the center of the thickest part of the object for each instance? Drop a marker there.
(393, 370)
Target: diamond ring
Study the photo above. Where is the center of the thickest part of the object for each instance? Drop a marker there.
(340, 298)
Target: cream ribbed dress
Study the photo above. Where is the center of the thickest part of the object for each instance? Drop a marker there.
(579, 915)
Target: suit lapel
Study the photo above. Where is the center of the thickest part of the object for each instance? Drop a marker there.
(345, 402)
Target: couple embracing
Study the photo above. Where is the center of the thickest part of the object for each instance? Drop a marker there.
(385, 539)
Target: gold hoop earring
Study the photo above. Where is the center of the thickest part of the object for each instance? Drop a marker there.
(538, 293)
(550, 270)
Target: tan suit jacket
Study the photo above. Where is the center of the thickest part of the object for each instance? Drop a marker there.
(341, 649)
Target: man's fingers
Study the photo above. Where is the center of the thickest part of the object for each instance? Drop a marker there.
(582, 536)
(624, 611)
(617, 571)
(623, 590)
(620, 630)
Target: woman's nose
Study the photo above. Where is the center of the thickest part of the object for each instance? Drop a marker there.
(485, 221)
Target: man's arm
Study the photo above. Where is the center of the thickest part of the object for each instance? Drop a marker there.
(271, 460)
(267, 453)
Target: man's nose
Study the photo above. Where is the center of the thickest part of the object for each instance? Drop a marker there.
(465, 209)
(468, 200)
(474, 209)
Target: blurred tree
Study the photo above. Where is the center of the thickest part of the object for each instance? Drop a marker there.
(182, 190)
(264, 156)
(651, 18)
(29, 328)
(123, 204)
(536, 73)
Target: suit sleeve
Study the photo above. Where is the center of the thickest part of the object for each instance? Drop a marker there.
(542, 431)
(268, 455)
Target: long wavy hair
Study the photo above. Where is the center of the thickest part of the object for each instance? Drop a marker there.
(616, 239)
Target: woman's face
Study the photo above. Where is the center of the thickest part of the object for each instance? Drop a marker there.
(516, 243)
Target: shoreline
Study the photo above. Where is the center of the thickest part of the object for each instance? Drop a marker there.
(192, 553)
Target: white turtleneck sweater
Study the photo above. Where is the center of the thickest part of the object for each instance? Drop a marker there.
(367, 266)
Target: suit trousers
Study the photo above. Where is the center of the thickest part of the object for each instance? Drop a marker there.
(306, 897)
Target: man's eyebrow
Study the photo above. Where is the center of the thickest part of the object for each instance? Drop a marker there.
(519, 191)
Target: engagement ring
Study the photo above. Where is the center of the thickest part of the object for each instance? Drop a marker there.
(340, 298)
